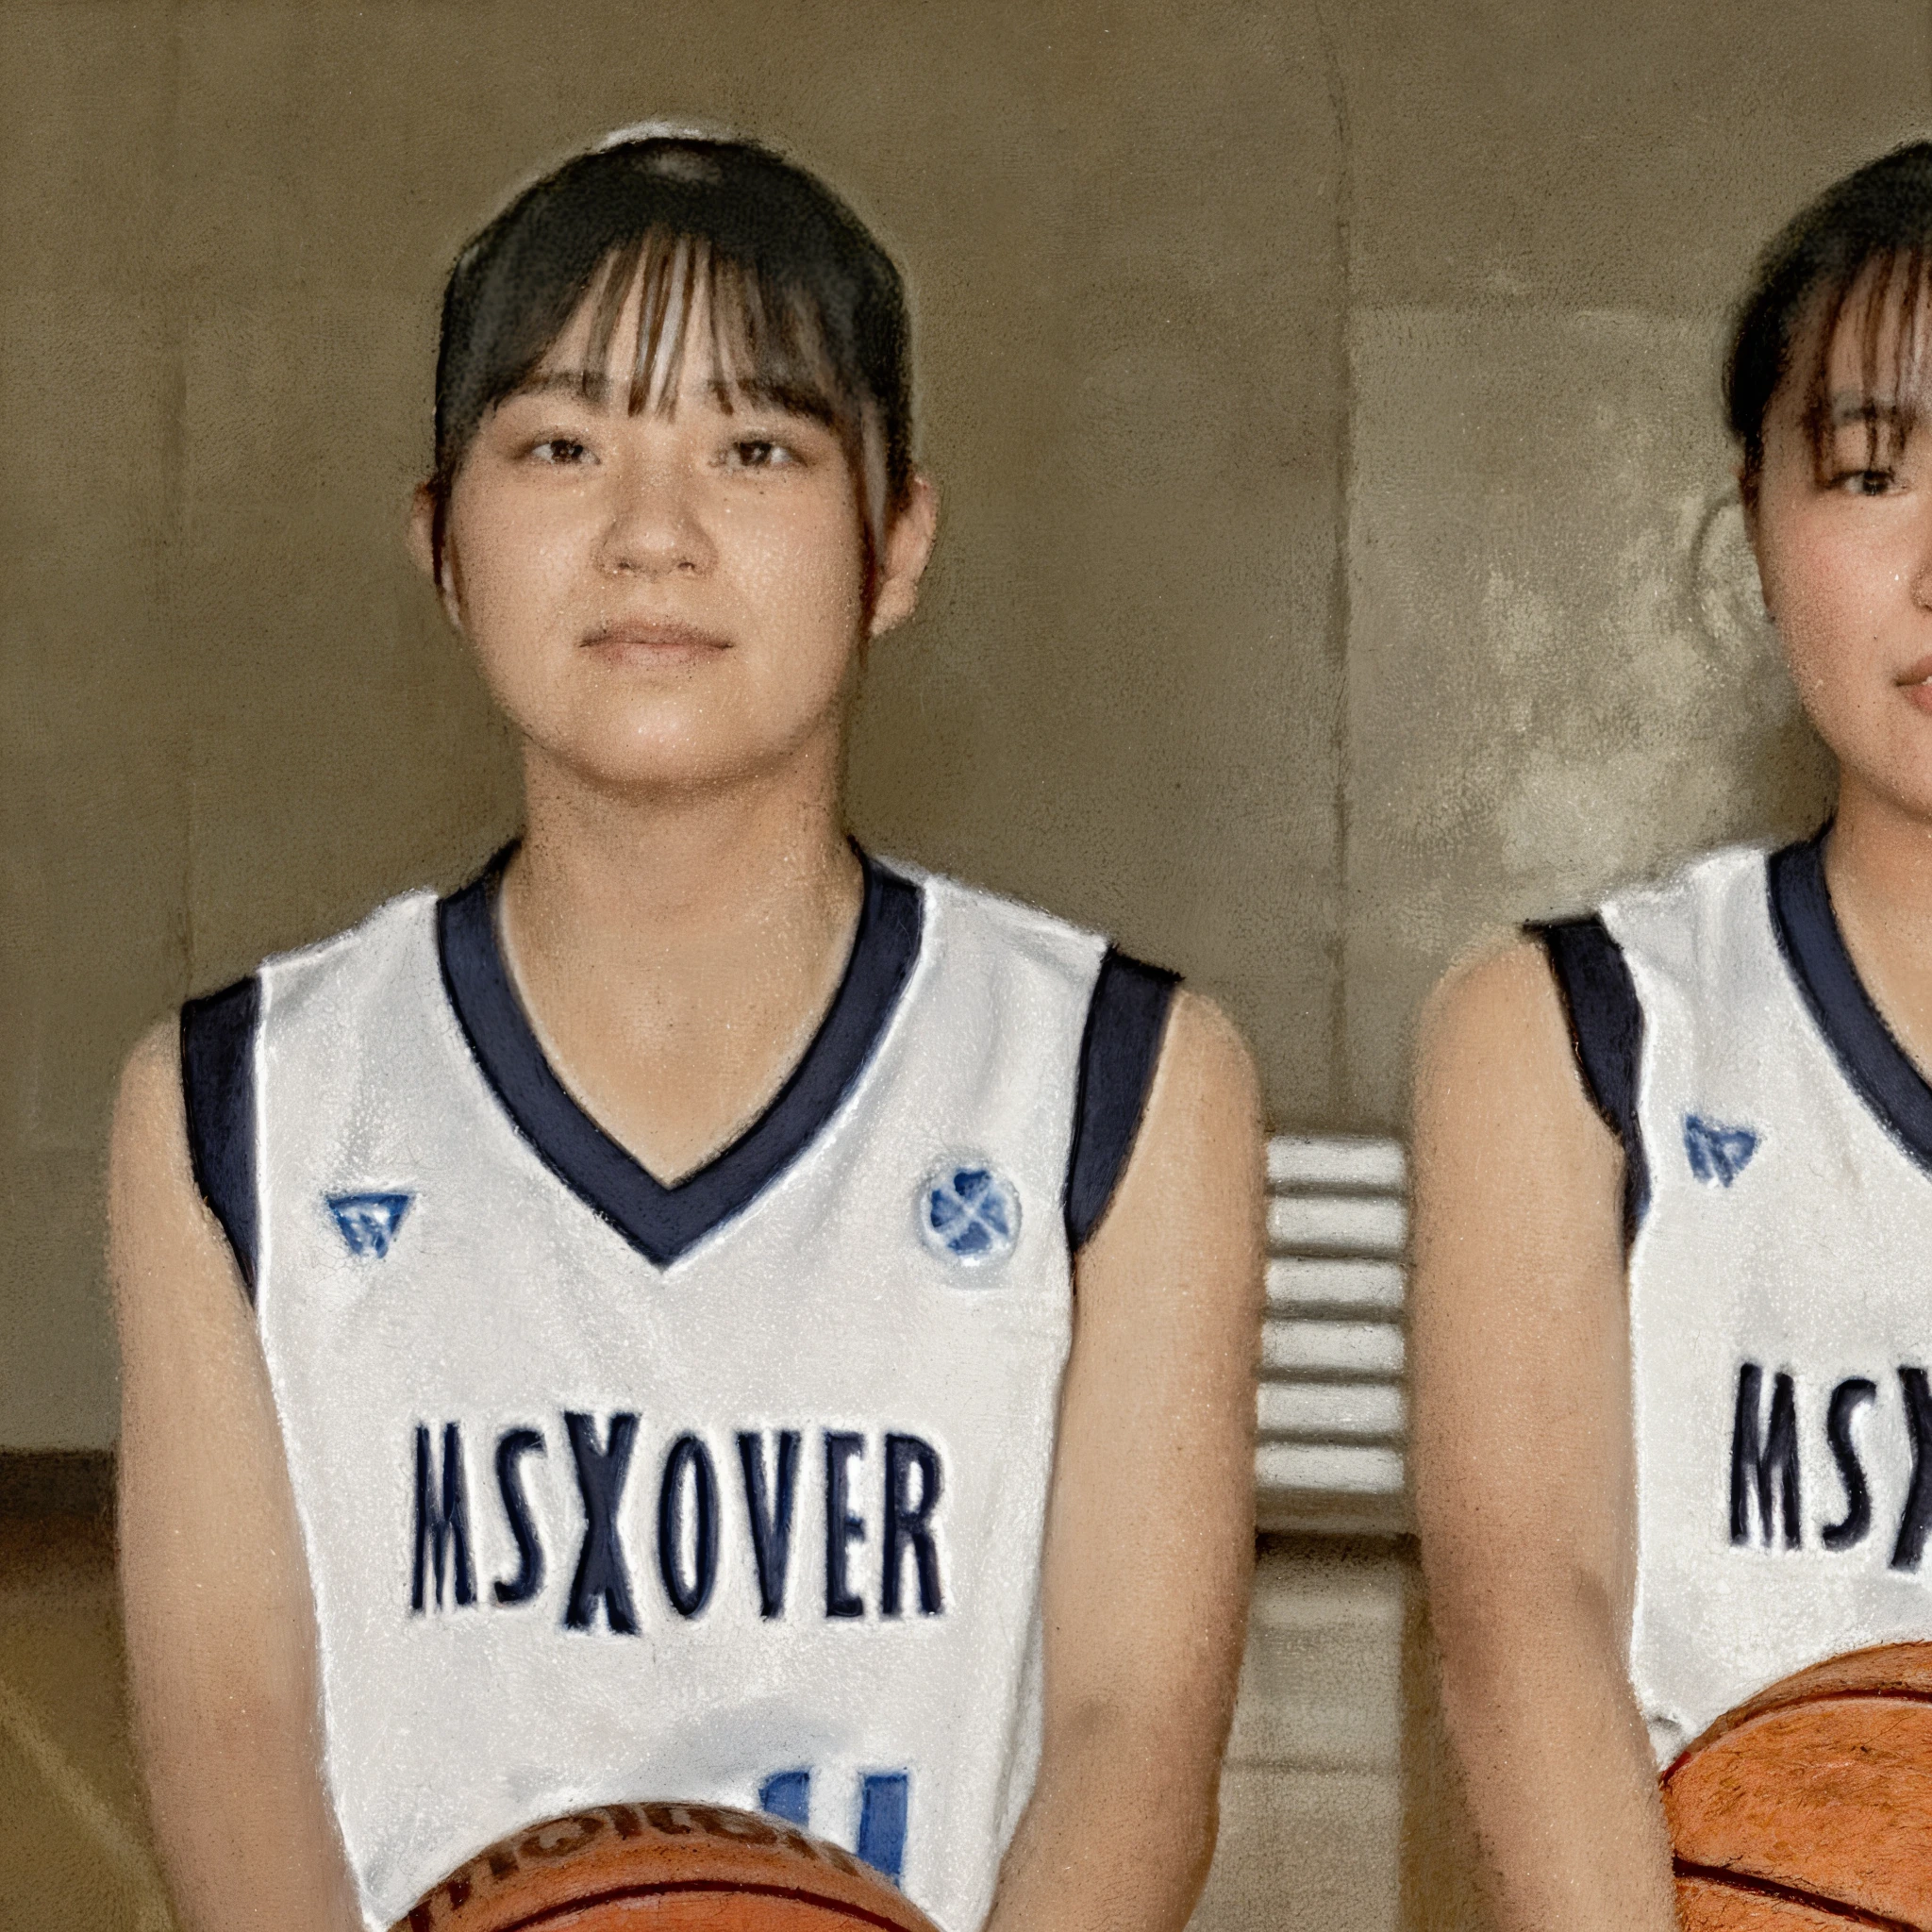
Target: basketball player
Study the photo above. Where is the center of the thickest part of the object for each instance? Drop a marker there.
(702, 1311)
(1673, 1433)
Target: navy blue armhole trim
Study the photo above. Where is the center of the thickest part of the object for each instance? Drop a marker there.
(1126, 1018)
(1606, 1035)
(218, 1090)
(1878, 1067)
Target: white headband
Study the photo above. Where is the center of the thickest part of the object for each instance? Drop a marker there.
(660, 131)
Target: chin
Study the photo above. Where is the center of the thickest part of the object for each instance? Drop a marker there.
(667, 761)
(1901, 779)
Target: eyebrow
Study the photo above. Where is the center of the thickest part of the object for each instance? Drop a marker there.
(596, 388)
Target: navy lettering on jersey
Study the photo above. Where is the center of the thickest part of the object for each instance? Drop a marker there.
(771, 1518)
(909, 1524)
(600, 1574)
(1763, 1455)
(688, 1469)
(1846, 1400)
(512, 1446)
(690, 1528)
(843, 1528)
(1917, 1517)
(442, 1527)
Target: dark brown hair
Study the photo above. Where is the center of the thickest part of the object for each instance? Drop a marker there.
(1872, 229)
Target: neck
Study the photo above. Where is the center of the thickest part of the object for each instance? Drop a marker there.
(676, 955)
(1879, 857)
(1878, 867)
(651, 871)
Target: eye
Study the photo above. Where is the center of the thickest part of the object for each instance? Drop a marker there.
(759, 453)
(1865, 482)
(559, 452)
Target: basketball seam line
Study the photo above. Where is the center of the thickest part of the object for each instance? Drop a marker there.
(795, 1892)
(1790, 1894)
(1723, 1728)
(1897, 1694)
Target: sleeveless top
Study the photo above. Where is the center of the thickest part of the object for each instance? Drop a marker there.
(728, 1492)
(1779, 1203)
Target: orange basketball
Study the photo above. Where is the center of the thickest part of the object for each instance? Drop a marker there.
(1810, 1805)
(663, 1867)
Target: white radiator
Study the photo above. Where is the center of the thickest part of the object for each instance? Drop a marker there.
(1332, 1405)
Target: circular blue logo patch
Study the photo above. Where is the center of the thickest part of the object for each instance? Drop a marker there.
(969, 1211)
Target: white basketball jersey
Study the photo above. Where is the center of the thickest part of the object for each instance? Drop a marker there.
(1778, 1143)
(731, 1492)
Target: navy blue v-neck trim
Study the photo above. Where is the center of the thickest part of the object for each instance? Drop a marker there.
(661, 1221)
(1814, 948)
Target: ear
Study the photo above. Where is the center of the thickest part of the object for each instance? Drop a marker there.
(903, 561)
(423, 549)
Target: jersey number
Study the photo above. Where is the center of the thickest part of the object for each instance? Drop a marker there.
(786, 1794)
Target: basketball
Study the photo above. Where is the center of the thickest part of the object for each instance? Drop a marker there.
(1810, 1805)
(663, 1867)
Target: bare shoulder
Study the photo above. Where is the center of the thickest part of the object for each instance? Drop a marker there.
(1153, 1480)
(171, 1268)
(1179, 1247)
(1205, 1063)
(150, 1181)
(1155, 1462)
(217, 1611)
(1518, 1186)
(1195, 1171)
(147, 1107)
(1492, 1005)
(1496, 1067)
(153, 1205)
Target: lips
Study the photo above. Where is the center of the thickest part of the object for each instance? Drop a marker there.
(1916, 683)
(653, 640)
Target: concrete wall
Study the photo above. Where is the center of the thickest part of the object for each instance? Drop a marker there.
(1559, 674)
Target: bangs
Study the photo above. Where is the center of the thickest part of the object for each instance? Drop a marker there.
(1881, 304)
(761, 343)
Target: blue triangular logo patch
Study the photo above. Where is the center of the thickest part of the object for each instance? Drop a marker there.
(1718, 1154)
(368, 1223)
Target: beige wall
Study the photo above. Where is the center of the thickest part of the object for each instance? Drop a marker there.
(1557, 671)
(1336, 558)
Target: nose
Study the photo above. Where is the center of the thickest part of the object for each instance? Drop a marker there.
(655, 526)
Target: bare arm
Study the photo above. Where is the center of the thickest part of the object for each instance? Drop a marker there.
(1150, 1531)
(220, 1632)
(1525, 1470)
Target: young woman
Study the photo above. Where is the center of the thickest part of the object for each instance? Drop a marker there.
(701, 1311)
(1673, 1436)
